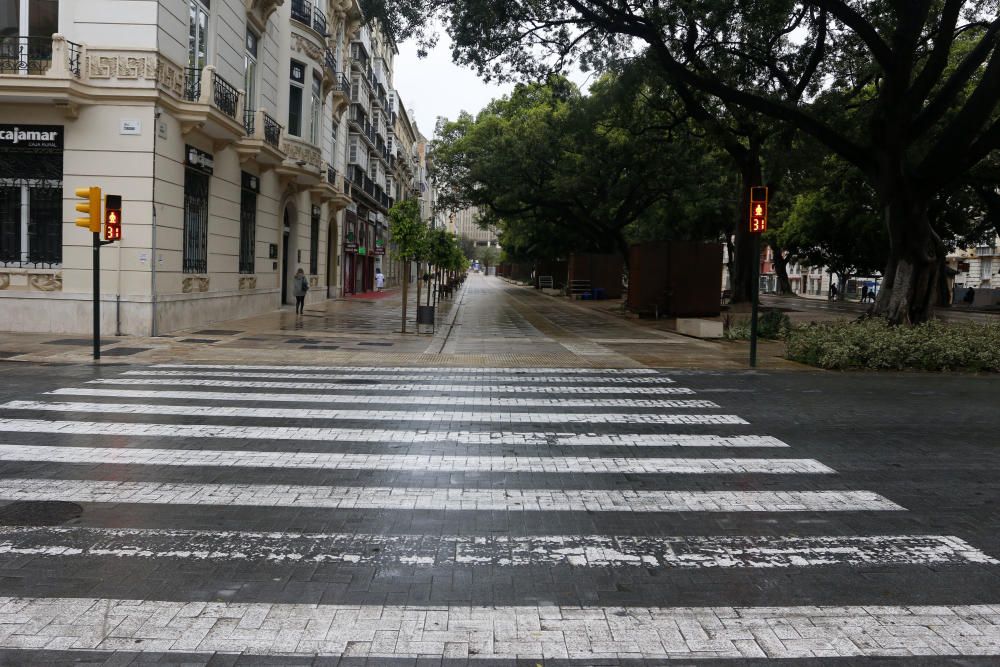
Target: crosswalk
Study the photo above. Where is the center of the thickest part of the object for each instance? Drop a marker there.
(402, 513)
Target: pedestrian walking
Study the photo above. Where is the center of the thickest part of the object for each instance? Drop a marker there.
(833, 292)
(970, 297)
(865, 294)
(299, 288)
(379, 280)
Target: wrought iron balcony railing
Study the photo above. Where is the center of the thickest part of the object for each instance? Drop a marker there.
(224, 96)
(272, 132)
(308, 14)
(34, 55)
(249, 118)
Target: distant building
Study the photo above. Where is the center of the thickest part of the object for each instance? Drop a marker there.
(466, 226)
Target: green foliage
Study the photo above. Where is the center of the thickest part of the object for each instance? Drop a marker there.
(874, 344)
(407, 230)
(771, 324)
(487, 255)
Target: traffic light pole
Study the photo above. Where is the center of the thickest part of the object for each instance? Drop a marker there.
(98, 243)
(754, 300)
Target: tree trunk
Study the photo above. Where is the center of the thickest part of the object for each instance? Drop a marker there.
(419, 282)
(741, 262)
(781, 269)
(914, 275)
(406, 288)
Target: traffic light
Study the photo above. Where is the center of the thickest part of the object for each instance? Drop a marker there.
(113, 218)
(758, 210)
(91, 208)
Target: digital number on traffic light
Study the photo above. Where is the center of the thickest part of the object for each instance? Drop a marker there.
(758, 210)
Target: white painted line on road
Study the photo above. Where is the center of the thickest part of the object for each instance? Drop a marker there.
(420, 498)
(373, 415)
(419, 369)
(588, 634)
(387, 402)
(534, 438)
(421, 462)
(440, 388)
(747, 551)
(402, 377)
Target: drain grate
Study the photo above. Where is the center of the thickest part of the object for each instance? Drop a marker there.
(124, 351)
(217, 332)
(39, 513)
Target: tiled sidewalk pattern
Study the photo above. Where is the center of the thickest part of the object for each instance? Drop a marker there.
(462, 454)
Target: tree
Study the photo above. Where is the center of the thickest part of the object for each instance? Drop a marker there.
(487, 255)
(409, 234)
(556, 171)
(907, 91)
(837, 225)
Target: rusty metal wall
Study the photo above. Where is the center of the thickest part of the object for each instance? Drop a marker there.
(604, 271)
(679, 278)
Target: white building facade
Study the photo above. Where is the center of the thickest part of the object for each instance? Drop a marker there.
(223, 124)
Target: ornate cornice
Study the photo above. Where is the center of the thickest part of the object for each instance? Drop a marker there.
(259, 11)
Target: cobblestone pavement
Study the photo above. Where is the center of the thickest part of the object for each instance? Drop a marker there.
(272, 514)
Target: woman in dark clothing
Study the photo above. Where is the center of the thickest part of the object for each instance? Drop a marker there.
(299, 288)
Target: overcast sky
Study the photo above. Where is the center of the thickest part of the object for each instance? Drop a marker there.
(434, 86)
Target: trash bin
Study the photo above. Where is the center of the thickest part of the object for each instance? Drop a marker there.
(425, 317)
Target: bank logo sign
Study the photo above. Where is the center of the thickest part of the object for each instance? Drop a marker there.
(31, 136)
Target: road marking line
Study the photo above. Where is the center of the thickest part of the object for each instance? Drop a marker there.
(420, 369)
(712, 552)
(373, 415)
(441, 388)
(502, 632)
(464, 437)
(307, 460)
(382, 400)
(420, 498)
(399, 377)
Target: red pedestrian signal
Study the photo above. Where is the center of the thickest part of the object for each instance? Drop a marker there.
(113, 218)
(758, 210)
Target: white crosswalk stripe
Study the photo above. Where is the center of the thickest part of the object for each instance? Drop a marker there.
(403, 377)
(540, 438)
(438, 415)
(493, 550)
(542, 464)
(426, 370)
(561, 390)
(418, 498)
(384, 402)
(503, 632)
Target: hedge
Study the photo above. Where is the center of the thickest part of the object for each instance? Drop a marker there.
(876, 345)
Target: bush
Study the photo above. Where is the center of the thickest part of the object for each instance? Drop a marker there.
(772, 324)
(874, 344)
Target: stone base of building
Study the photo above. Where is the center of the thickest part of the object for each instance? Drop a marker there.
(62, 313)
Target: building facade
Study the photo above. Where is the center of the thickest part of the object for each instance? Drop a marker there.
(467, 227)
(228, 128)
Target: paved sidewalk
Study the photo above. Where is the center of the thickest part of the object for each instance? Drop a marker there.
(487, 323)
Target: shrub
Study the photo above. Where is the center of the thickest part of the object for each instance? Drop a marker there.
(771, 324)
(876, 345)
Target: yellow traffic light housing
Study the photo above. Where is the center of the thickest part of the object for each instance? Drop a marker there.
(91, 209)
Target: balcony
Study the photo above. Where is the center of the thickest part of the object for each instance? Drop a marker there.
(303, 164)
(337, 83)
(214, 106)
(262, 142)
(335, 188)
(309, 15)
(47, 69)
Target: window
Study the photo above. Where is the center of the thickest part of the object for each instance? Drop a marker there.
(31, 196)
(195, 221)
(250, 72)
(248, 222)
(352, 157)
(298, 80)
(34, 18)
(315, 108)
(314, 242)
(198, 34)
